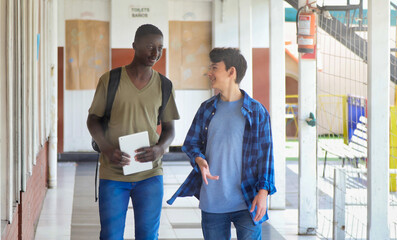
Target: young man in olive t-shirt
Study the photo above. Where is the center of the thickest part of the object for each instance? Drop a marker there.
(135, 109)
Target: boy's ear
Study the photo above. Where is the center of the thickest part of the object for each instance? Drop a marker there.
(232, 72)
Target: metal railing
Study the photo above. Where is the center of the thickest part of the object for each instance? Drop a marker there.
(347, 35)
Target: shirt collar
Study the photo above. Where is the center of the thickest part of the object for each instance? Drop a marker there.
(246, 102)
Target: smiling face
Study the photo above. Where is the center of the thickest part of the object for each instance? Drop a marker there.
(148, 49)
(219, 77)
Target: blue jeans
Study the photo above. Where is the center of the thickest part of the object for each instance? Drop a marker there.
(146, 196)
(217, 226)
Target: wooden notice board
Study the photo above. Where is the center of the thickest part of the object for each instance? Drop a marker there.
(86, 53)
(190, 44)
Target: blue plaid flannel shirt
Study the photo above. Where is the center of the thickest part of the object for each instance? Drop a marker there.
(258, 163)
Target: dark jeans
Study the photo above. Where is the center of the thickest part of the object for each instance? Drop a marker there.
(217, 226)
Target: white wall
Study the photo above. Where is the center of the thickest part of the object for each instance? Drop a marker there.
(290, 32)
(61, 23)
(123, 25)
(188, 101)
(260, 23)
(76, 102)
(193, 10)
(225, 24)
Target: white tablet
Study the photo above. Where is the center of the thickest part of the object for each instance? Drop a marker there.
(129, 144)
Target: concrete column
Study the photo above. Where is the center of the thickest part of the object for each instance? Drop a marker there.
(307, 220)
(53, 91)
(11, 125)
(3, 105)
(378, 118)
(338, 228)
(35, 105)
(307, 202)
(277, 98)
(245, 41)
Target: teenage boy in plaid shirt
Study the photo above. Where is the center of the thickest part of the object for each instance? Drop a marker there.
(231, 150)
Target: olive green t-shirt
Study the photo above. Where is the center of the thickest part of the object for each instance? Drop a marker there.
(133, 111)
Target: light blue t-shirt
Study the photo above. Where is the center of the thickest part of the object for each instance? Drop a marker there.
(224, 156)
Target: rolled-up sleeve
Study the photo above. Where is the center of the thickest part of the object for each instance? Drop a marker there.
(266, 159)
(194, 142)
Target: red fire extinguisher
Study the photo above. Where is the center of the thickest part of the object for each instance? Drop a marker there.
(306, 30)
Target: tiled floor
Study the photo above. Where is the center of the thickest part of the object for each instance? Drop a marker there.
(70, 212)
(56, 215)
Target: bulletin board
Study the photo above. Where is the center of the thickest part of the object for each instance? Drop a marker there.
(190, 44)
(86, 53)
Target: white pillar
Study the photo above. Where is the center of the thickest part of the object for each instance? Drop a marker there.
(3, 105)
(245, 42)
(307, 209)
(10, 74)
(53, 91)
(338, 207)
(307, 194)
(378, 118)
(277, 98)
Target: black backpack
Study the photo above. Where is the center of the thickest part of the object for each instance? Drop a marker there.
(114, 80)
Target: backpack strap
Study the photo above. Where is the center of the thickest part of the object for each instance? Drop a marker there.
(166, 90)
(114, 81)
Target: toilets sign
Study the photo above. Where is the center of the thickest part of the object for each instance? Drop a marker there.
(139, 12)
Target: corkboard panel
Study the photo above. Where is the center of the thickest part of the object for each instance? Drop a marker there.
(86, 53)
(190, 44)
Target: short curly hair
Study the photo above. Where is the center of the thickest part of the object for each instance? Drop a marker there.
(146, 29)
(232, 57)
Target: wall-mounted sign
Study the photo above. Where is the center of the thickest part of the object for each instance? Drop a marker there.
(138, 12)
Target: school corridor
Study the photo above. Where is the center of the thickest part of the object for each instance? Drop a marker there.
(70, 212)
(331, 94)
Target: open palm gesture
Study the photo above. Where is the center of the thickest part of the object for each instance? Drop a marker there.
(205, 170)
